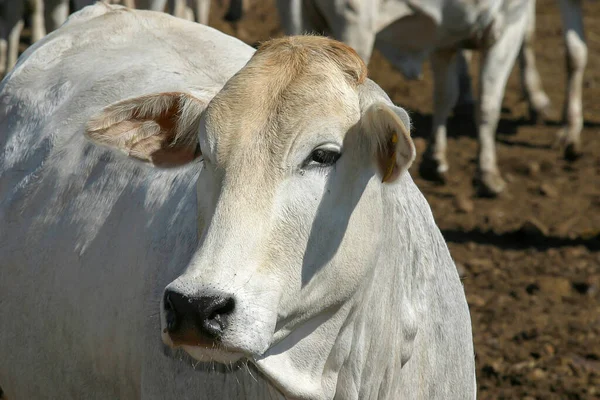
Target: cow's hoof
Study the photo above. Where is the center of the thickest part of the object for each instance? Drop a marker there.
(572, 151)
(538, 116)
(539, 108)
(490, 184)
(433, 170)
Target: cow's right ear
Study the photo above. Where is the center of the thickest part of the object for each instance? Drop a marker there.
(159, 128)
(388, 128)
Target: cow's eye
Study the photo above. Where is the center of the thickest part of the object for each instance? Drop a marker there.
(323, 156)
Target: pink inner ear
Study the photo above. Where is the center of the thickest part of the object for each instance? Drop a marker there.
(157, 150)
(386, 158)
(147, 128)
(172, 157)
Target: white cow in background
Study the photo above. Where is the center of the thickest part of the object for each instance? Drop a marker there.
(47, 15)
(280, 248)
(56, 12)
(576, 56)
(569, 136)
(409, 31)
(11, 25)
(192, 10)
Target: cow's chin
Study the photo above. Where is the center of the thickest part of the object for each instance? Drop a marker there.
(204, 354)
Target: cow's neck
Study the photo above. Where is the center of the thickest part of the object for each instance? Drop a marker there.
(357, 350)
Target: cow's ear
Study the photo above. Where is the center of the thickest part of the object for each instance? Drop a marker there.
(159, 128)
(388, 127)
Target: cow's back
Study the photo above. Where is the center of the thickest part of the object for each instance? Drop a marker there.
(88, 239)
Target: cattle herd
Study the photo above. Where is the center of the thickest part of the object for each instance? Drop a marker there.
(184, 216)
(47, 15)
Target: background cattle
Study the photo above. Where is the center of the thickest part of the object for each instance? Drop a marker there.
(370, 24)
(44, 16)
(47, 15)
(193, 10)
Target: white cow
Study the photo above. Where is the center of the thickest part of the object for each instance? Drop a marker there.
(46, 16)
(576, 55)
(56, 12)
(192, 10)
(569, 136)
(11, 25)
(286, 260)
(409, 31)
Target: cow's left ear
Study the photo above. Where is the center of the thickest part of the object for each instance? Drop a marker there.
(159, 128)
(388, 128)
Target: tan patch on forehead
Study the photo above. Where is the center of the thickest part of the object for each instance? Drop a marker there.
(283, 76)
(294, 53)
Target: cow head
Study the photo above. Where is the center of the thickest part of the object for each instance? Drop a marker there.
(297, 149)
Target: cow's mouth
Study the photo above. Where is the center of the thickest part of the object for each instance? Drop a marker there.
(202, 348)
(220, 354)
(191, 339)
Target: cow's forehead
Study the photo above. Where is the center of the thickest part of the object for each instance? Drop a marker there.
(280, 95)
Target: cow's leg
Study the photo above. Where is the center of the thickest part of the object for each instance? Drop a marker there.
(570, 134)
(178, 8)
(290, 14)
(202, 8)
(55, 13)
(465, 103)
(3, 56)
(498, 61)
(358, 33)
(154, 5)
(538, 101)
(80, 4)
(188, 14)
(13, 45)
(445, 93)
(11, 25)
(38, 30)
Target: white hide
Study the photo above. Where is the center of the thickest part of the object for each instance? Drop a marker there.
(90, 239)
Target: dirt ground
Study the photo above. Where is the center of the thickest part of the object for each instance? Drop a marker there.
(531, 258)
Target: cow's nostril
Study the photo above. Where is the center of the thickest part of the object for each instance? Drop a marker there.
(167, 303)
(216, 309)
(207, 315)
(171, 319)
(170, 312)
(222, 307)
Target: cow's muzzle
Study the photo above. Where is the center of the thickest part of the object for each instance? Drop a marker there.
(196, 320)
